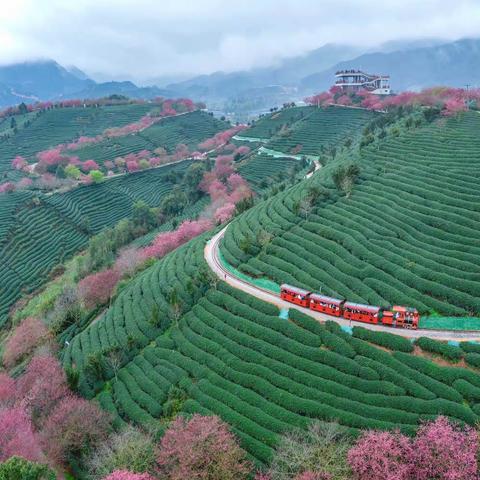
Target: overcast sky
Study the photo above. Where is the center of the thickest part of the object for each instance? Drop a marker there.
(143, 39)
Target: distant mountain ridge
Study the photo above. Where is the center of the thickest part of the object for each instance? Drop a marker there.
(411, 64)
(47, 80)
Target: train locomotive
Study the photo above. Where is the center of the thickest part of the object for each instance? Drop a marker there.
(394, 316)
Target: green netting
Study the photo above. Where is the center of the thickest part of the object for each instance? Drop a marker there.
(450, 323)
(259, 282)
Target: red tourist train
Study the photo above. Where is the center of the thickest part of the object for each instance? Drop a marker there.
(396, 316)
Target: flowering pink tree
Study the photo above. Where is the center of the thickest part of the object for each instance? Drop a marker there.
(224, 166)
(7, 187)
(381, 455)
(168, 241)
(243, 150)
(126, 475)
(201, 448)
(29, 334)
(18, 163)
(444, 450)
(8, 390)
(41, 387)
(17, 436)
(132, 166)
(128, 260)
(89, 165)
(97, 288)
(224, 213)
(73, 428)
(24, 183)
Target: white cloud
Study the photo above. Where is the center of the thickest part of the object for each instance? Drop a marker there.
(149, 38)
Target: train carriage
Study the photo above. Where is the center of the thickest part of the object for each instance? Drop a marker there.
(295, 295)
(361, 313)
(328, 305)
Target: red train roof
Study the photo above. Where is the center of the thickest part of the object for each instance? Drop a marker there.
(323, 298)
(290, 288)
(359, 306)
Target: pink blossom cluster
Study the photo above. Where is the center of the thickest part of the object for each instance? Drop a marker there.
(168, 241)
(441, 449)
(449, 100)
(201, 448)
(40, 419)
(7, 187)
(220, 139)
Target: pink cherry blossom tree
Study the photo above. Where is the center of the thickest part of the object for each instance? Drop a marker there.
(444, 450)
(201, 448)
(381, 455)
(41, 387)
(28, 335)
(74, 427)
(97, 288)
(17, 436)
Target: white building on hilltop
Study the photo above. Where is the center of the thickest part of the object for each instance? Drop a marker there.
(354, 80)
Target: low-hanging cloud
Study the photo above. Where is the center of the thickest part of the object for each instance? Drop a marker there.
(144, 39)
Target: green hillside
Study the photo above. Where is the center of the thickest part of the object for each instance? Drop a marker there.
(189, 129)
(408, 234)
(40, 231)
(232, 355)
(61, 125)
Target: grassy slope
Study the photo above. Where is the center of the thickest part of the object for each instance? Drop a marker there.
(408, 234)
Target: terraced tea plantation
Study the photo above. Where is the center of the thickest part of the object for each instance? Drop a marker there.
(52, 127)
(233, 356)
(269, 125)
(190, 129)
(407, 235)
(39, 231)
(323, 128)
(262, 170)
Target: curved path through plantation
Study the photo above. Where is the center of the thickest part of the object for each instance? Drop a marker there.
(213, 259)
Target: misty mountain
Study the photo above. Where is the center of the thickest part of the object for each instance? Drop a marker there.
(412, 65)
(47, 80)
(288, 73)
(455, 64)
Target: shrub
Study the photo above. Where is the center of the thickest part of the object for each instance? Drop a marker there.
(384, 339)
(473, 359)
(29, 334)
(470, 347)
(129, 449)
(448, 351)
(73, 428)
(201, 448)
(17, 468)
(322, 449)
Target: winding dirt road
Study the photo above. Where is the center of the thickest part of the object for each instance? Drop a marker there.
(212, 257)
